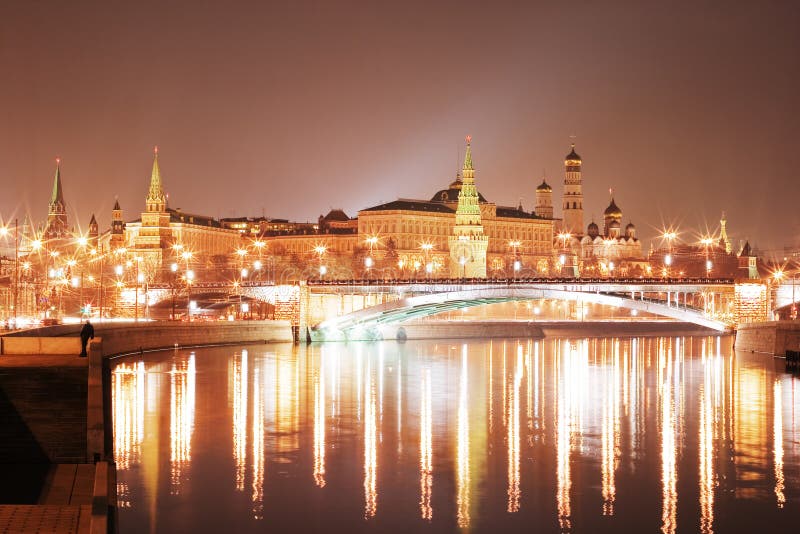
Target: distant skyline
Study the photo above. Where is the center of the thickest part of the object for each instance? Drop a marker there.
(685, 109)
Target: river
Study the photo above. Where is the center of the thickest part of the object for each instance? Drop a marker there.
(669, 434)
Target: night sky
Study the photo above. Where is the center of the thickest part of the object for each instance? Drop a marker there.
(288, 109)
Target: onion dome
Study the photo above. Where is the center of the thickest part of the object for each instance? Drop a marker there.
(573, 155)
(593, 230)
(613, 225)
(544, 187)
(613, 210)
(456, 184)
(630, 227)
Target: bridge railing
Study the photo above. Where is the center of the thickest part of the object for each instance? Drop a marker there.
(518, 281)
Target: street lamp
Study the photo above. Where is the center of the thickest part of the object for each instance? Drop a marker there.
(189, 302)
(463, 261)
(174, 269)
(368, 264)
(320, 252)
(371, 241)
(426, 250)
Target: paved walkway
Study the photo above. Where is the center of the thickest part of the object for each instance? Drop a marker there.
(64, 507)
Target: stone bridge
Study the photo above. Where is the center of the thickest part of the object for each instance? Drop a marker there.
(356, 309)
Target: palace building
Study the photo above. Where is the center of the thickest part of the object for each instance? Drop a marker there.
(455, 233)
(162, 232)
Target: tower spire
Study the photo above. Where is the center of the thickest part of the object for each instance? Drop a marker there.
(57, 209)
(58, 195)
(723, 234)
(468, 243)
(468, 158)
(156, 199)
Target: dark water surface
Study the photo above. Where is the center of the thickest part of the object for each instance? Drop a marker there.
(601, 435)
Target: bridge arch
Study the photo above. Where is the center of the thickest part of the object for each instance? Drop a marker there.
(403, 309)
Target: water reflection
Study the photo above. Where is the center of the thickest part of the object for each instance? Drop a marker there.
(623, 431)
(181, 420)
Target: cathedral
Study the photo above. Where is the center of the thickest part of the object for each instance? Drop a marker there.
(590, 252)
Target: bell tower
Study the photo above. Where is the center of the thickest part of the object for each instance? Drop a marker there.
(573, 194)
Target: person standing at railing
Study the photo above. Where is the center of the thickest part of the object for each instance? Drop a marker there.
(87, 332)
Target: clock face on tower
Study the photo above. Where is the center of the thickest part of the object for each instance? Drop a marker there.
(462, 250)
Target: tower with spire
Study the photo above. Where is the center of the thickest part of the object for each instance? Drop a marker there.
(94, 232)
(723, 234)
(544, 200)
(573, 194)
(155, 233)
(468, 244)
(57, 227)
(117, 227)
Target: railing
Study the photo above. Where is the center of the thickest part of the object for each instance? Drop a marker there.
(464, 281)
(522, 281)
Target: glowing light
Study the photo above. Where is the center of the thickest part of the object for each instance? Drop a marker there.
(181, 426)
(238, 381)
(777, 430)
(462, 446)
(425, 448)
(257, 265)
(83, 241)
(258, 446)
(513, 436)
(319, 425)
(370, 448)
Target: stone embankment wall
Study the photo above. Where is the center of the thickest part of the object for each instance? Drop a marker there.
(119, 338)
(774, 337)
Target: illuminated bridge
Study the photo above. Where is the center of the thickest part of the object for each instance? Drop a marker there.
(699, 301)
(350, 309)
(356, 309)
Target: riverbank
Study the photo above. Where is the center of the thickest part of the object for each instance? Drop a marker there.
(771, 337)
(55, 443)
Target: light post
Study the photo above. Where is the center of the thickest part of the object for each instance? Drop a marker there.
(189, 279)
(516, 264)
(667, 263)
(463, 261)
(320, 251)
(174, 269)
(564, 237)
(706, 242)
(371, 241)
(4, 233)
(260, 248)
(669, 236)
(368, 264)
(426, 250)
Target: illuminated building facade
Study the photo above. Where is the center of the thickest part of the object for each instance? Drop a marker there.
(160, 227)
(609, 252)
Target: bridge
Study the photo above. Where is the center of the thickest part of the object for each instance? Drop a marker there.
(356, 309)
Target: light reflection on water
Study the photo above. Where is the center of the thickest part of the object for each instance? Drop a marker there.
(669, 434)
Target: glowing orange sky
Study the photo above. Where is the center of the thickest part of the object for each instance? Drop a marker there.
(294, 108)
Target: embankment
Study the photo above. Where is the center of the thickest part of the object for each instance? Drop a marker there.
(773, 337)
